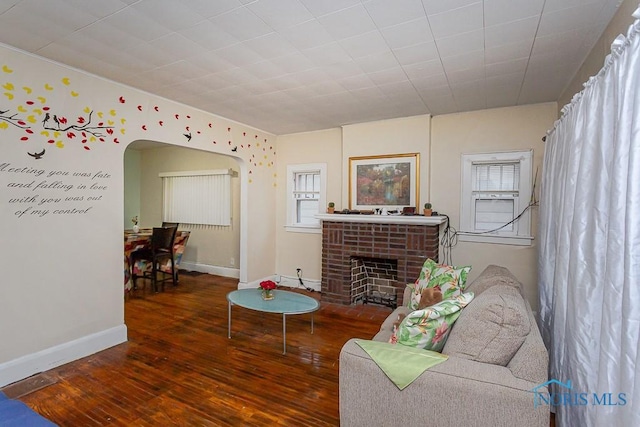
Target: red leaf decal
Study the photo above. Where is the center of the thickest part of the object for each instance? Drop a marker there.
(144, 127)
(160, 122)
(24, 138)
(121, 99)
(116, 140)
(70, 135)
(139, 107)
(62, 120)
(86, 147)
(45, 108)
(177, 116)
(21, 123)
(51, 141)
(155, 108)
(110, 131)
(210, 125)
(81, 120)
(29, 102)
(28, 131)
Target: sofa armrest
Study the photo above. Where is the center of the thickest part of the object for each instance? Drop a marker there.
(453, 393)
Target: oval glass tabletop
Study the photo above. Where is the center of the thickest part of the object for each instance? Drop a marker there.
(284, 302)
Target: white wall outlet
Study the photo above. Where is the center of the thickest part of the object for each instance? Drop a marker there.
(277, 278)
(232, 262)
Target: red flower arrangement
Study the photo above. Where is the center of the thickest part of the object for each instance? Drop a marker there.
(268, 285)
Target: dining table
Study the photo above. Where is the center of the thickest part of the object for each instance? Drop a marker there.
(142, 239)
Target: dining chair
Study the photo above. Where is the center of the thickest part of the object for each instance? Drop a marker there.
(161, 249)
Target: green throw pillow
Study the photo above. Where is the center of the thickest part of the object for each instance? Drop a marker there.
(429, 328)
(449, 279)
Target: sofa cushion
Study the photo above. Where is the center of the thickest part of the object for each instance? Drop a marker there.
(428, 328)
(491, 276)
(449, 279)
(492, 328)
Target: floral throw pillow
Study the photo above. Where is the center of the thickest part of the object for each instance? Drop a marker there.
(449, 279)
(429, 328)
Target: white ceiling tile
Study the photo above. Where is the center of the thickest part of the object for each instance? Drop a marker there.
(385, 13)
(242, 24)
(424, 69)
(465, 61)
(508, 52)
(568, 19)
(208, 8)
(343, 70)
(377, 62)
(320, 8)
(422, 52)
(271, 45)
(456, 21)
(433, 91)
(467, 75)
(211, 61)
(176, 46)
(307, 35)
(511, 32)
(438, 6)
(442, 105)
(360, 81)
(327, 54)
(391, 75)
(281, 14)
(137, 24)
(168, 13)
(501, 11)
(239, 55)
(408, 33)
(209, 36)
(348, 22)
(365, 44)
(507, 67)
(461, 43)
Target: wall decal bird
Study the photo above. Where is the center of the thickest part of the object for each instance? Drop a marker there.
(188, 136)
(37, 156)
(234, 149)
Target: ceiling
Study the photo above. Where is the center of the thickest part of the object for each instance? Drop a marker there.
(287, 66)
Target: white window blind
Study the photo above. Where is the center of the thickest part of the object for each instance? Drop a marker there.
(307, 195)
(495, 194)
(197, 197)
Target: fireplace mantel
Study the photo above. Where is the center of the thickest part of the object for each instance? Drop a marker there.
(384, 219)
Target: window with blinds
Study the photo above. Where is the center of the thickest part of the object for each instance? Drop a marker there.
(496, 189)
(306, 189)
(197, 197)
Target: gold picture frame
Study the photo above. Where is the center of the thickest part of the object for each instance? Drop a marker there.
(385, 181)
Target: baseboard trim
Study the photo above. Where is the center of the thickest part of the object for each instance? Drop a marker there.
(211, 269)
(34, 363)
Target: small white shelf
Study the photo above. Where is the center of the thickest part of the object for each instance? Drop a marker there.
(384, 219)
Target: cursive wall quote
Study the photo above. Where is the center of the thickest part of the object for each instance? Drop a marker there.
(36, 192)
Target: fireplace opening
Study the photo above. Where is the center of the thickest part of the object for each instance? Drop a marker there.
(373, 281)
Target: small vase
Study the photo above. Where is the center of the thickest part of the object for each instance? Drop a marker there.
(267, 294)
(136, 229)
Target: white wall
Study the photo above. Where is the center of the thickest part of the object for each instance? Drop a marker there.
(131, 187)
(62, 293)
(485, 131)
(304, 250)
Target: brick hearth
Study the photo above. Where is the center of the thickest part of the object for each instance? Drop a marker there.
(409, 244)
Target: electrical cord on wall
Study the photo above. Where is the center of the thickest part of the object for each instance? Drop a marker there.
(299, 273)
(448, 241)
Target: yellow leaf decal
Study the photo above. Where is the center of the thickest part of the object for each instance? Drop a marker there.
(74, 93)
(92, 139)
(26, 89)
(6, 69)
(44, 133)
(110, 122)
(37, 111)
(122, 131)
(42, 99)
(59, 144)
(22, 109)
(8, 95)
(123, 120)
(8, 86)
(112, 112)
(65, 81)
(56, 134)
(100, 114)
(87, 110)
(31, 119)
(3, 125)
(47, 86)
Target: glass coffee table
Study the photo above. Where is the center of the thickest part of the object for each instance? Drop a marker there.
(284, 302)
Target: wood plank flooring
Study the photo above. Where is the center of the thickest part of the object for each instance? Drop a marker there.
(179, 367)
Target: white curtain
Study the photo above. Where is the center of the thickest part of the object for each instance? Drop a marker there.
(589, 257)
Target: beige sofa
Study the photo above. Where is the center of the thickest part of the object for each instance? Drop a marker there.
(496, 357)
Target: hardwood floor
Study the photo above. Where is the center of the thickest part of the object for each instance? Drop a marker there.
(179, 367)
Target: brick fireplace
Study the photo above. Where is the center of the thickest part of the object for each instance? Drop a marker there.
(406, 242)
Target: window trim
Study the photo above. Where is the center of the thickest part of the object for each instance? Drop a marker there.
(292, 170)
(522, 235)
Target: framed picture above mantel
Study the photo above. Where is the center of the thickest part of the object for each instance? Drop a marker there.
(386, 181)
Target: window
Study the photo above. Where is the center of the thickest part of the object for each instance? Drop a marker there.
(496, 196)
(197, 197)
(306, 190)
